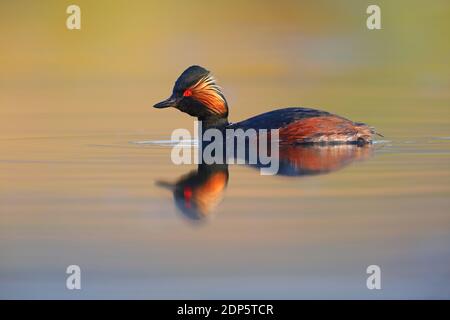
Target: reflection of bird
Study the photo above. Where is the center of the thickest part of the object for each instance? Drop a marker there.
(199, 192)
(197, 94)
(309, 160)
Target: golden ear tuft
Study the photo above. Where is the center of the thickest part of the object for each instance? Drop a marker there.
(210, 94)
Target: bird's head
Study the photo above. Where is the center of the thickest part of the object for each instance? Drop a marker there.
(197, 94)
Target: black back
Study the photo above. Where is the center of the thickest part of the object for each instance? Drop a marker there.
(278, 118)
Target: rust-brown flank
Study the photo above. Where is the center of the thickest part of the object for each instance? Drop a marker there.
(325, 129)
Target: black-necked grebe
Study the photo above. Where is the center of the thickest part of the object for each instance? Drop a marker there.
(197, 94)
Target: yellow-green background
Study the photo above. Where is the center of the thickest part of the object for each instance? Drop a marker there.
(265, 54)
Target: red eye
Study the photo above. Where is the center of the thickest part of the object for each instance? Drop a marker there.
(187, 93)
(187, 192)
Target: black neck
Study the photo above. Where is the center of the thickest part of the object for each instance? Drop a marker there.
(214, 122)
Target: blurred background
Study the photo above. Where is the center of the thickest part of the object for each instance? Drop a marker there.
(74, 189)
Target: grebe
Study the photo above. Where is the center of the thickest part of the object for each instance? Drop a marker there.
(197, 94)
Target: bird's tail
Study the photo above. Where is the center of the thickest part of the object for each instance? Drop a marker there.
(372, 129)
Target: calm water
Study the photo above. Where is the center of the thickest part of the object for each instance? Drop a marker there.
(79, 186)
(99, 205)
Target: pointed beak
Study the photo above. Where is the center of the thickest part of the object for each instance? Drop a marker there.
(171, 102)
(166, 185)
